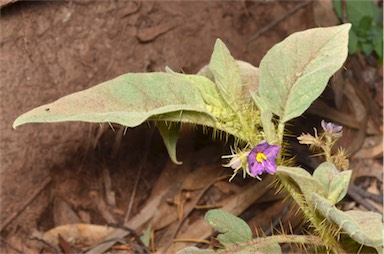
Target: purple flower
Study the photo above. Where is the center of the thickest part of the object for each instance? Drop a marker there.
(262, 158)
(332, 129)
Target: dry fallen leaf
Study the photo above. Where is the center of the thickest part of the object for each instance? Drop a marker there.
(77, 234)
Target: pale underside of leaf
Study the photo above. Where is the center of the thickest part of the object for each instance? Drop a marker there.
(128, 100)
(364, 227)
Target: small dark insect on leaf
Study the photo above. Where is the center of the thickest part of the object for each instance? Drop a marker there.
(47, 109)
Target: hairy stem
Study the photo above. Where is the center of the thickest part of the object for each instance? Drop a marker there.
(280, 133)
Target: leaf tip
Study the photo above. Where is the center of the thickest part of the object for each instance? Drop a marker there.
(17, 123)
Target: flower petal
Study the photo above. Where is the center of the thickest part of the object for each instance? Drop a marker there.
(256, 169)
(270, 166)
(272, 152)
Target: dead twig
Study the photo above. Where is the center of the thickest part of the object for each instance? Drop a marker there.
(141, 166)
(353, 193)
(11, 246)
(276, 21)
(278, 220)
(188, 211)
(14, 215)
(366, 194)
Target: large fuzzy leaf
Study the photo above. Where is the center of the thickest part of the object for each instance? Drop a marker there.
(295, 71)
(363, 227)
(128, 100)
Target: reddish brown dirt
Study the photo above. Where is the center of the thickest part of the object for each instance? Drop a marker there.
(50, 49)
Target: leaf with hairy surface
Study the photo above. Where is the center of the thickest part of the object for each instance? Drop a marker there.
(128, 100)
(295, 71)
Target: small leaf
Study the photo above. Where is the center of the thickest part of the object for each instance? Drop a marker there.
(339, 186)
(233, 229)
(208, 90)
(304, 181)
(169, 133)
(146, 237)
(226, 73)
(249, 77)
(295, 71)
(324, 173)
(334, 182)
(364, 227)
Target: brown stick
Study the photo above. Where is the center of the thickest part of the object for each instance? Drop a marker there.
(276, 21)
(142, 163)
(15, 214)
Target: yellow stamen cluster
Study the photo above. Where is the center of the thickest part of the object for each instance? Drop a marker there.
(260, 157)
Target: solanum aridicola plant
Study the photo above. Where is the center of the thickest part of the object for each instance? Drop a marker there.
(253, 105)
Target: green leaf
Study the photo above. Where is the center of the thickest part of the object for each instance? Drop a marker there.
(357, 10)
(378, 47)
(295, 71)
(170, 133)
(367, 48)
(304, 181)
(324, 173)
(365, 25)
(226, 73)
(338, 187)
(146, 237)
(334, 182)
(353, 42)
(128, 100)
(239, 118)
(269, 128)
(209, 92)
(249, 77)
(233, 229)
(364, 227)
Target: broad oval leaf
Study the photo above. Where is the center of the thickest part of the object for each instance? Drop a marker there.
(295, 71)
(128, 100)
(364, 227)
(233, 229)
